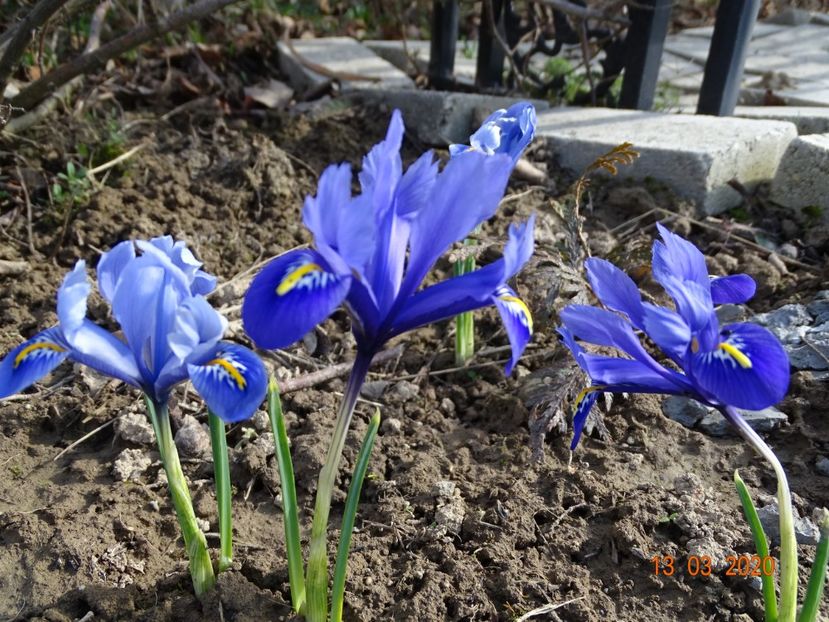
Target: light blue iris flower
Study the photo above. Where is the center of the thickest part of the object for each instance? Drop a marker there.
(373, 251)
(504, 131)
(734, 366)
(171, 333)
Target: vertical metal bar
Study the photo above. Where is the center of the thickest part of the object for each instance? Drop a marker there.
(490, 66)
(643, 49)
(445, 18)
(726, 57)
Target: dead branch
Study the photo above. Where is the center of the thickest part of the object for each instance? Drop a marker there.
(39, 89)
(38, 16)
(20, 124)
(334, 371)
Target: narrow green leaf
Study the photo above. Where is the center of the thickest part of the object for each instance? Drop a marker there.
(814, 590)
(349, 516)
(290, 509)
(761, 544)
(224, 492)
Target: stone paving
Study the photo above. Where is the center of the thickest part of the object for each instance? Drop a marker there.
(788, 61)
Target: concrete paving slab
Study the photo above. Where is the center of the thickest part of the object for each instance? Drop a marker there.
(440, 118)
(696, 155)
(340, 55)
(802, 179)
(807, 119)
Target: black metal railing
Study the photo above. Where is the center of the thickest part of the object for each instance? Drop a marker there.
(638, 52)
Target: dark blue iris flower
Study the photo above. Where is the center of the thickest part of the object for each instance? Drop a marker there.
(171, 333)
(734, 366)
(373, 251)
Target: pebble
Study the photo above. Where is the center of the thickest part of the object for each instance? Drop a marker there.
(684, 410)
(822, 466)
(192, 439)
(692, 414)
(261, 422)
(135, 428)
(406, 390)
(130, 465)
(443, 488)
(374, 389)
(392, 426)
(447, 406)
(805, 531)
(788, 250)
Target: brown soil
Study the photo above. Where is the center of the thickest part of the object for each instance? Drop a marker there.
(515, 534)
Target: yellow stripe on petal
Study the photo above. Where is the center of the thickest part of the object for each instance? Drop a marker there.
(522, 308)
(238, 378)
(34, 347)
(294, 277)
(587, 391)
(732, 351)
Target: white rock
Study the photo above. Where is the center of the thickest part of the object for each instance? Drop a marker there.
(135, 428)
(342, 55)
(130, 464)
(803, 177)
(695, 154)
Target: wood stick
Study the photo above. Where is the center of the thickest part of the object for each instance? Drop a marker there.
(334, 371)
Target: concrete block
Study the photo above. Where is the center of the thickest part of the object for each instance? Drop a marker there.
(696, 155)
(342, 55)
(440, 118)
(803, 177)
(807, 119)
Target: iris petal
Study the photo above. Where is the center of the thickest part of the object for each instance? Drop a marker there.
(584, 404)
(72, 295)
(750, 371)
(667, 329)
(99, 349)
(30, 361)
(233, 383)
(321, 212)
(734, 289)
(677, 257)
(518, 323)
(111, 265)
(615, 289)
(292, 294)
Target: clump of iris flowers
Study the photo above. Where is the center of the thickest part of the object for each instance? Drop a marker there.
(506, 131)
(371, 254)
(171, 334)
(736, 366)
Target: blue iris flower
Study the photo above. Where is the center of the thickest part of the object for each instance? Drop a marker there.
(171, 333)
(373, 251)
(504, 131)
(734, 366)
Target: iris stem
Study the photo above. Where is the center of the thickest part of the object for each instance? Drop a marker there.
(761, 545)
(788, 544)
(317, 574)
(224, 492)
(290, 508)
(201, 569)
(349, 517)
(464, 322)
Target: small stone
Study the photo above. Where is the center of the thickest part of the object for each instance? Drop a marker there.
(689, 484)
(193, 439)
(135, 428)
(805, 531)
(392, 426)
(707, 546)
(443, 488)
(449, 516)
(374, 389)
(130, 465)
(203, 524)
(822, 466)
(684, 410)
(406, 390)
(819, 309)
(788, 250)
(447, 406)
(154, 506)
(261, 422)
(785, 322)
(728, 314)
(766, 420)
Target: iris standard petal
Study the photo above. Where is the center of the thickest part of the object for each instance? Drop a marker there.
(615, 289)
(748, 369)
(382, 167)
(452, 212)
(518, 322)
(667, 329)
(321, 212)
(233, 383)
(677, 257)
(733, 289)
(111, 265)
(96, 347)
(197, 329)
(292, 294)
(30, 361)
(72, 295)
(519, 246)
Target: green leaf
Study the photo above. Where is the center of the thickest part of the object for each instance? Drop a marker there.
(817, 580)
